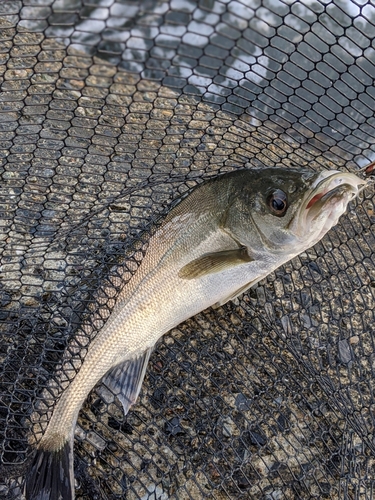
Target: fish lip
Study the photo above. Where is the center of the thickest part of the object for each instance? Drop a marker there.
(317, 203)
(329, 190)
(337, 185)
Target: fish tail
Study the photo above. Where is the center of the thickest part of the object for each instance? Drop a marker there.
(51, 475)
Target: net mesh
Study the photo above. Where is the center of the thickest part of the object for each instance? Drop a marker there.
(112, 109)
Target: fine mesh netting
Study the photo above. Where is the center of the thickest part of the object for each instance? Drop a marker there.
(112, 109)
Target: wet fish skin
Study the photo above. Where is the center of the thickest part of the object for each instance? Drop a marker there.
(216, 243)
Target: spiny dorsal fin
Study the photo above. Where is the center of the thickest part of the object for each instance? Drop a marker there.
(214, 262)
(125, 380)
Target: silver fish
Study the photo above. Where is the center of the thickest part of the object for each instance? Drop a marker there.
(225, 236)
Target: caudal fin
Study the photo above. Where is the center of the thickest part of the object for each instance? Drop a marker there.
(51, 475)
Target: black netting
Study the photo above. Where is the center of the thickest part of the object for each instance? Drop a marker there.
(111, 109)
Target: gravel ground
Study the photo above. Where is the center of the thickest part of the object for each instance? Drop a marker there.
(269, 398)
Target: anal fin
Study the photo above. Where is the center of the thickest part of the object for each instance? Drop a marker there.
(235, 294)
(125, 380)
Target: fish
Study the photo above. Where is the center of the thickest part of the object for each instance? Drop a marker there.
(226, 235)
(369, 169)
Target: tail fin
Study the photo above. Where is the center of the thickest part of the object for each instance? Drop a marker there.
(51, 475)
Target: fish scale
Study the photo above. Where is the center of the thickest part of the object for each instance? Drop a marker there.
(218, 241)
(133, 318)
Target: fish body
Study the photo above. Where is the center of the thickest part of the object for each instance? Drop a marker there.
(226, 235)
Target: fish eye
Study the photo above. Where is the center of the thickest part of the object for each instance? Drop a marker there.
(277, 202)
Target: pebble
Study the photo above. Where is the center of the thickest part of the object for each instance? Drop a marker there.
(256, 439)
(154, 493)
(354, 340)
(229, 427)
(282, 422)
(274, 495)
(112, 446)
(105, 394)
(345, 355)
(285, 321)
(242, 402)
(173, 427)
(5, 299)
(96, 440)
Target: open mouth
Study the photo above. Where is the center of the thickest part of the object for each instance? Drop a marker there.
(327, 200)
(339, 186)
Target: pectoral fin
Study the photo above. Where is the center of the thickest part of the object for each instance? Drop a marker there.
(125, 380)
(214, 262)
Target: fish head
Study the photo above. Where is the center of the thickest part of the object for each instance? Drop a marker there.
(290, 210)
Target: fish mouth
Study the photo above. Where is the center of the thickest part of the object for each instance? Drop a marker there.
(329, 196)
